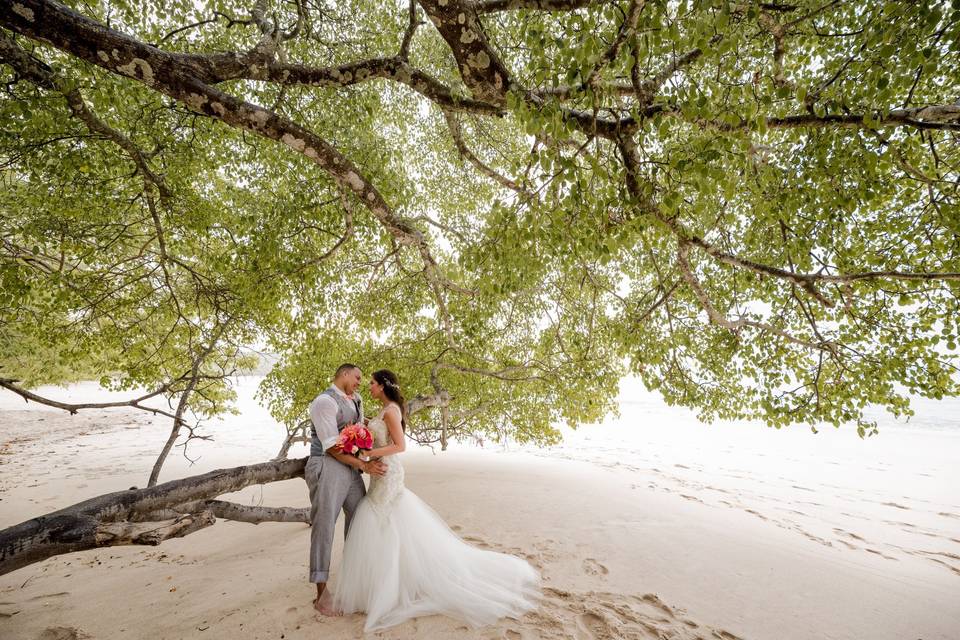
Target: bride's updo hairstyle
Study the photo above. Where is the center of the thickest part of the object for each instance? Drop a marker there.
(391, 388)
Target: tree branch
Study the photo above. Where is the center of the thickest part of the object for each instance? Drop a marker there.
(626, 31)
(721, 320)
(246, 513)
(110, 534)
(493, 6)
(408, 34)
(184, 400)
(10, 385)
(454, 125)
(480, 66)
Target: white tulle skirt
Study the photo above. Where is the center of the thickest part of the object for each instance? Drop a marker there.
(402, 561)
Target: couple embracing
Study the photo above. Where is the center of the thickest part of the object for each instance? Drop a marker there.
(400, 559)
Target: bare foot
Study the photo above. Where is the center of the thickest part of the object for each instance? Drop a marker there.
(324, 604)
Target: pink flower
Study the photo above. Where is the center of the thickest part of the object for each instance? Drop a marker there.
(355, 438)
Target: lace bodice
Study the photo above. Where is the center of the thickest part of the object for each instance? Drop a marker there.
(381, 435)
(384, 489)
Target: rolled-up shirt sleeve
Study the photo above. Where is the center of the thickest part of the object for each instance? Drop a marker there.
(323, 414)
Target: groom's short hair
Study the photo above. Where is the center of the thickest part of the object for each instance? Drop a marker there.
(346, 366)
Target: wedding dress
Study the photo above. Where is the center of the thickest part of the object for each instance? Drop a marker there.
(402, 561)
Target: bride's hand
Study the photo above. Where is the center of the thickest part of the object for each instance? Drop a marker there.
(374, 468)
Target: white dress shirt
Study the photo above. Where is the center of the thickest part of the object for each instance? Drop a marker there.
(323, 414)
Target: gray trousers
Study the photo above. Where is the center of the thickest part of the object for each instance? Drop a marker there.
(333, 486)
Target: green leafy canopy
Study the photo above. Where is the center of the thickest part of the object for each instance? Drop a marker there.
(513, 204)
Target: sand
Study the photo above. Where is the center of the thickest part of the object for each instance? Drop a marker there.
(651, 526)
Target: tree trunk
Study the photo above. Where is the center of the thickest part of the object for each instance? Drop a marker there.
(116, 518)
(184, 402)
(444, 421)
(300, 433)
(167, 446)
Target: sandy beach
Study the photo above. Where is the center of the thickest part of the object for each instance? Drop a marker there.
(648, 526)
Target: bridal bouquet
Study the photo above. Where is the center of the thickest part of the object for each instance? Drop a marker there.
(355, 438)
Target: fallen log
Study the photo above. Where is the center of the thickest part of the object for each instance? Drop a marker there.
(129, 517)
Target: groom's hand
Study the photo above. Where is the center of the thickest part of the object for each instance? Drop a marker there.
(374, 468)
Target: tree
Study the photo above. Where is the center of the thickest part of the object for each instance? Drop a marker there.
(513, 203)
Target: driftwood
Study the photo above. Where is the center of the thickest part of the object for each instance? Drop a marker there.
(146, 516)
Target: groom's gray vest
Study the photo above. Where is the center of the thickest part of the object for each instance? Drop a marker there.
(347, 413)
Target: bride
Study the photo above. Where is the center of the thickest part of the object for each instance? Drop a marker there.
(400, 559)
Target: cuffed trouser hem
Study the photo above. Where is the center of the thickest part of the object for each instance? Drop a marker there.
(319, 576)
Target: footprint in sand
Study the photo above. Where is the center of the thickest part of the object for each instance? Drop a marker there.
(654, 600)
(594, 568)
(941, 562)
(477, 542)
(62, 633)
(848, 534)
(725, 635)
(945, 554)
(592, 626)
(545, 551)
(806, 534)
(926, 533)
(880, 553)
(594, 615)
(894, 504)
(49, 595)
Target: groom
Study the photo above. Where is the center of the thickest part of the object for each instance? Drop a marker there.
(333, 476)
